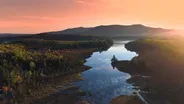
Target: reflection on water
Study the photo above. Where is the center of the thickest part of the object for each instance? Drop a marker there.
(102, 82)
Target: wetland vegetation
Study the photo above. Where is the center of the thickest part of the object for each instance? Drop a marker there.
(29, 65)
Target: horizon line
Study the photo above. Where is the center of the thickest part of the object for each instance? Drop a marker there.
(32, 33)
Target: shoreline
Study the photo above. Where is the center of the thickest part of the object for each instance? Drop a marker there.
(56, 84)
(33, 69)
(61, 82)
(154, 71)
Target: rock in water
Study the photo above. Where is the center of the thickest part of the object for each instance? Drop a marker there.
(114, 59)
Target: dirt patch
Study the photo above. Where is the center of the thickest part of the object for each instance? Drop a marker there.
(126, 100)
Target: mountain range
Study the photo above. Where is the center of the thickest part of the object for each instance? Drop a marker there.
(112, 30)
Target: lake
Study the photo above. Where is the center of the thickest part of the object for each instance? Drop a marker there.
(103, 82)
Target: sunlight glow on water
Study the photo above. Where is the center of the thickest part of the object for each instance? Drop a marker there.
(102, 82)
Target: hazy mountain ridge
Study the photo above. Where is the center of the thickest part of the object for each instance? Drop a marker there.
(113, 30)
(10, 35)
(73, 31)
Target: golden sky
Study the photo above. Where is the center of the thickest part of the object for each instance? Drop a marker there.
(33, 16)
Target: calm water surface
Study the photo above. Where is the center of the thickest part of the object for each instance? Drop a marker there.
(102, 82)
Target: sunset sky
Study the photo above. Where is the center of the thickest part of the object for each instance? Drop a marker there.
(33, 16)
